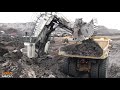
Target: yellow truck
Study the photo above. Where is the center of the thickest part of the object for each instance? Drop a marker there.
(96, 67)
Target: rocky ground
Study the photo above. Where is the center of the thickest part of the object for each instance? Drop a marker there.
(47, 66)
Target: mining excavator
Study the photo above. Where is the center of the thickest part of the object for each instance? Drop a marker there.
(38, 44)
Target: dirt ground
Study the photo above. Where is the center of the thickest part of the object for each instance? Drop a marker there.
(48, 66)
(21, 66)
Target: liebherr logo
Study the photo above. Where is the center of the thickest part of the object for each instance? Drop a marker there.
(7, 74)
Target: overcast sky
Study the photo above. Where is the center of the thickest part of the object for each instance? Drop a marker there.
(108, 19)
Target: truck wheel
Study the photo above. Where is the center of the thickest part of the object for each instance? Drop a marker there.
(102, 68)
(64, 67)
(94, 70)
(72, 70)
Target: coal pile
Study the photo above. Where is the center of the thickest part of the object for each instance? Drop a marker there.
(87, 48)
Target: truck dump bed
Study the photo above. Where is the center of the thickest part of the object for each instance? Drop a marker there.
(102, 41)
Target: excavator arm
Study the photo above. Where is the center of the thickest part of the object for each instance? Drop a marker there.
(45, 26)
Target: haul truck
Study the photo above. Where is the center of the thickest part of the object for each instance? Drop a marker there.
(96, 67)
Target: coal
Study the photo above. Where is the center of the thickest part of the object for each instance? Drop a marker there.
(88, 48)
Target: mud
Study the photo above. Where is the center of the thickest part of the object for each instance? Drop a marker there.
(87, 48)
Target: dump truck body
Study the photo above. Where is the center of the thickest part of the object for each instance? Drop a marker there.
(102, 41)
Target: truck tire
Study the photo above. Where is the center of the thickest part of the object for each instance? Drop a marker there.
(72, 70)
(102, 68)
(64, 67)
(94, 70)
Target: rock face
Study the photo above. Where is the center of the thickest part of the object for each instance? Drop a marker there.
(87, 48)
